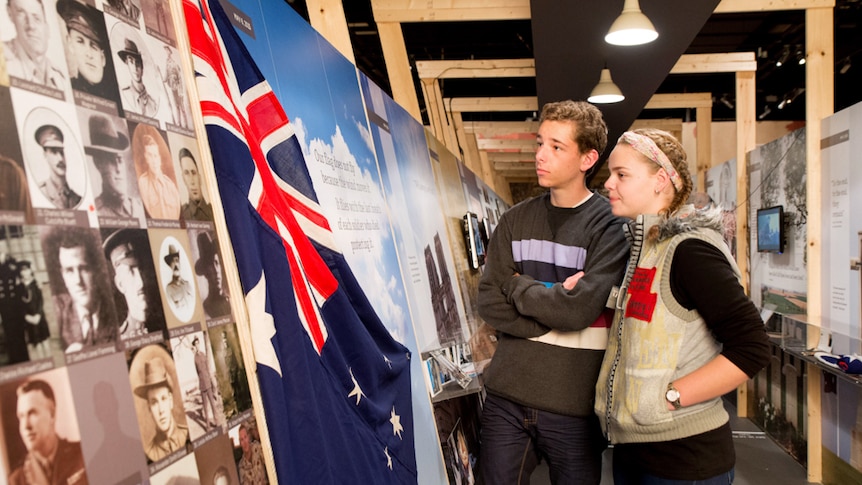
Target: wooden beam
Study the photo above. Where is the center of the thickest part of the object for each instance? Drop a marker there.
(494, 128)
(713, 63)
(468, 146)
(449, 10)
(819, 103)
(327, 17)
(489, 68)
(683, 100)
(515, 168)
(704, 146)
(491, 128)
(487, 173)
(523, 157)
(746, 141)
(673, 125)
(740, 6)
(476, 69)
(398, 67)
(478, 105)
(531, 103)
(438, 117)
(524, 145)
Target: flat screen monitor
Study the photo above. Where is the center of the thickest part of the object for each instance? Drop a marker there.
(473, 240)
(770, 229)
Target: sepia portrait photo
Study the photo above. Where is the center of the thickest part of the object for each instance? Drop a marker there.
(158, 402)
(55, 161)
(156, 177)
(39, 424)
(112, 174)
(136, 291)
(177, 279)
(82, 297)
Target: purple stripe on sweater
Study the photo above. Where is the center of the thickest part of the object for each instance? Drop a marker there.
(549, 252)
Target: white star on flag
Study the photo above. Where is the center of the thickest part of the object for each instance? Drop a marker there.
(388, 458)
(263, 326)
(357, 391)
(388, 362)
(396, 423)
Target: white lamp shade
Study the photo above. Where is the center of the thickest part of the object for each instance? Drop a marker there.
(632, 27)
(606, 91)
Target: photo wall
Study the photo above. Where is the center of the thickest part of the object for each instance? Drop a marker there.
(776, 172)
(447, 174)
(461, 192)
(421, 235)
(118, 339)
(721, 188)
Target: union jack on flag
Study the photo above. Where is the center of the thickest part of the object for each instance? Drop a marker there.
(335, 385)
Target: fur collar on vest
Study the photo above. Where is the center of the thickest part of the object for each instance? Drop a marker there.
(686, 219)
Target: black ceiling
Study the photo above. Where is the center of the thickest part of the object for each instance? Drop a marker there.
(571, 54)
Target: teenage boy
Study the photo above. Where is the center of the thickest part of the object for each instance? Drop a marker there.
(552, 332)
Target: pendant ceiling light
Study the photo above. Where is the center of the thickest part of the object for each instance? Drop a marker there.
(606, 91)
(632, 27)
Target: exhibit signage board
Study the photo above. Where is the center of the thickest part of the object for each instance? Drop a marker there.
(776, 172)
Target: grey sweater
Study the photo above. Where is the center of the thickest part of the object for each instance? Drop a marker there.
(551, 341)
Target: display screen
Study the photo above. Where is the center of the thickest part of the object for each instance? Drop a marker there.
(770, 230)
(473, 240)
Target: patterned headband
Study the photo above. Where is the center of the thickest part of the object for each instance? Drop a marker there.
(647, 147)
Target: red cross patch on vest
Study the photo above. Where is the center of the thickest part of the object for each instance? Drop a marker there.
(641, 301)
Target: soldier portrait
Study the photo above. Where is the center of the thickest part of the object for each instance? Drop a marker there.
(158, 401)
(55, 162)
(41, 431)
(88, 54)
(79, 284)
(178, 286)
(29, 56)
(130, 264)
(156, 179)
(115, 179)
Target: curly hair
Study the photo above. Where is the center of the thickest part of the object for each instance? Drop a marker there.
(591, 132)
(71, 237)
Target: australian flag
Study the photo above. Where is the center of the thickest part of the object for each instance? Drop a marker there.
(335, 385)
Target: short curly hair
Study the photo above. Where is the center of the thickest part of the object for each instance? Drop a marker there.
(591, 132)
(57, 237)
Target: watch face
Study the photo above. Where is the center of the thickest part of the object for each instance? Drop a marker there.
(672, 395)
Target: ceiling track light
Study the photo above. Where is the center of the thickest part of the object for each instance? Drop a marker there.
(632, 27)
(606, 91)
(785, 54)
(845, 67)
(726, 101)
(765, 113)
